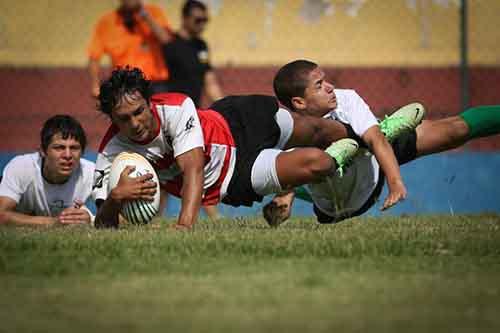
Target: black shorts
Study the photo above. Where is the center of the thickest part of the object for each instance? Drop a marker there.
(405, 150)
(253, 126)
(405, 147)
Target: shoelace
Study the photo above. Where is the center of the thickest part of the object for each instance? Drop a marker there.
(393, 123)
(346, 162)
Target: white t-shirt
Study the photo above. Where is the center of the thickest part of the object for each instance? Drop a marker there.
(180, 131)
(340, 195)
(23, 182)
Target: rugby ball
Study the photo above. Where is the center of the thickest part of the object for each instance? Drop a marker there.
(135, 211)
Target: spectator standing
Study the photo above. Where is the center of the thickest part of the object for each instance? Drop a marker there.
(188, 62)
(132, 34)
(187, 56)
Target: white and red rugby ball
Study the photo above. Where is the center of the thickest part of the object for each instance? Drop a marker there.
(135, 211)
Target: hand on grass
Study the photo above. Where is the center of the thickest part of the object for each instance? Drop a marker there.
(74, 215)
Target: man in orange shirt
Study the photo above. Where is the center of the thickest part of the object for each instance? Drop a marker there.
(131, 35)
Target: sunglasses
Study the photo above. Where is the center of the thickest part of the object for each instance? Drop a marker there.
(200, 20)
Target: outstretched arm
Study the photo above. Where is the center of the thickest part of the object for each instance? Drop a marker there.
(382, 150)
(160, 32)
(212, 87)
(9, 216)
(191, 163)
(94, 69)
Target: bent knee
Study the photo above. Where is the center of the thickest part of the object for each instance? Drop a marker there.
(317, 162)
(459, 128)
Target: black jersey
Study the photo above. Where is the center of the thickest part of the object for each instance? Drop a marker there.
(187, 61)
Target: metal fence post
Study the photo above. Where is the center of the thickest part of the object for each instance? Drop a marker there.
(464, 65)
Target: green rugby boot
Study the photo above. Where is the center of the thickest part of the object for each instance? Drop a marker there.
(343, 151)
(403, 120)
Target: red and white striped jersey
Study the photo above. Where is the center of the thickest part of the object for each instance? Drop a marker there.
(182, 128)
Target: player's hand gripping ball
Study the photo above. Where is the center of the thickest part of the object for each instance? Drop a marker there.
(135, 211)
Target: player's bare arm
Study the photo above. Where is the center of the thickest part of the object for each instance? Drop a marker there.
(160, 33)
(94, 68)
(191, 164)
(212, 88)
(128, 188)
(9, 216)
(382, 150)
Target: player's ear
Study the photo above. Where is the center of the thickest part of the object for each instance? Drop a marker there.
(298, 103)
(42, 152)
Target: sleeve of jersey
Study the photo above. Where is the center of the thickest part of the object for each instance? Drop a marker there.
(101, 177)
(88, 179)
(14, 181)
(160, 17)
(361, 117)
(184, 127)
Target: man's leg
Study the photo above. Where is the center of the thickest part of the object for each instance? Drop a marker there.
(404, 120)
(212, 212)
(482, 121)
(275, 171)
(434, 136)
(163, 202)
(279, 209)
(299, 131)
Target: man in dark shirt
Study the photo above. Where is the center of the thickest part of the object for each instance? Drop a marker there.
(187, 56)
(190, 72)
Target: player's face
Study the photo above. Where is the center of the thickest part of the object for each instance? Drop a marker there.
(134, 118)
(196, 21)
(61, 158)
(319, 95)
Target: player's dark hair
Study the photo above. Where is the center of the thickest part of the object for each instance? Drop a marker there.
(291, 81)
(123, 81)
(67, 126)
(190, 5)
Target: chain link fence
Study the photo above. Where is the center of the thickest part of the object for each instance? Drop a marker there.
(392, 52)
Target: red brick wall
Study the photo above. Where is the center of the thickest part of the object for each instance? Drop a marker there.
(29, 96)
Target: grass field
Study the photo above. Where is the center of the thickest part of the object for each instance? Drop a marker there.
(428, 273)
